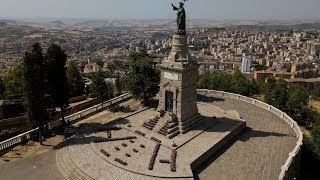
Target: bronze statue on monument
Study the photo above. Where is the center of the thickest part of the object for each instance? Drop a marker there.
(181, 18)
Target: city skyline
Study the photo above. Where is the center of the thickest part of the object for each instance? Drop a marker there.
(156, 9)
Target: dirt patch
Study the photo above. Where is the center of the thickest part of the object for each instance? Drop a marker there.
(315, 105)
(29, 149)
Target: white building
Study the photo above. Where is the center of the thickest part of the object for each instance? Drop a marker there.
(246, 64)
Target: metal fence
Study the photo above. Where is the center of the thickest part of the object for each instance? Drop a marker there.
(293, 124)
(72, 118)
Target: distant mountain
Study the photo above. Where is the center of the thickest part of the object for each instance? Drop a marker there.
(57, 23)
(62, 23)
(8, 21)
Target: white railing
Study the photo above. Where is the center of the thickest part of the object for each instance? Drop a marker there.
(17, 139)
(72, 118)
(293, 124)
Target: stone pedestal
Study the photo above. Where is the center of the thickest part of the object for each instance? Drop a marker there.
(178, 86)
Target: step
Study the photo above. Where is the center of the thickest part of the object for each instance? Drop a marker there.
(172, 130)
(174, 134)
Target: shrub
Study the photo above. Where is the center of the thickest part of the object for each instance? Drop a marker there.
(128, 155)
(9, 133)
(142, 146)
(132, 141)
(117, 148)
(124, 145)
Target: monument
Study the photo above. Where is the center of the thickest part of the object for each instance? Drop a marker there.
(164, 143)
(178, 85)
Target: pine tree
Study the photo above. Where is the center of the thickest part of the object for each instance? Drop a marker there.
(34, 75)
(57, 80)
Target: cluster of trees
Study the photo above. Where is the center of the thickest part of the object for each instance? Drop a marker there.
(100, 88)
(144, 78)
(45, 83)
(290, 99)
(139, 76)
(222, 81)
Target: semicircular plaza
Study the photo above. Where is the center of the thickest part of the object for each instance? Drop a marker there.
(263, 150)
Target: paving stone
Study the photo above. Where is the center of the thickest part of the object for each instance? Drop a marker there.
(254, 153)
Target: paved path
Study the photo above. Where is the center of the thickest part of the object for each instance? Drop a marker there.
(35, 162)
(41, 166)
(258, 153)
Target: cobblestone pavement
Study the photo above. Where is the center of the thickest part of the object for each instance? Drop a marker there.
(259, 152)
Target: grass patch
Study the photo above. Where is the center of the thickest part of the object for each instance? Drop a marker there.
(315, 105)
(305, 132)
(259, 97)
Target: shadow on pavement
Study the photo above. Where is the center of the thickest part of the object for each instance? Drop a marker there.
(79, 135)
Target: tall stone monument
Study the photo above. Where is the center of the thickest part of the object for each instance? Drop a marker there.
(178, 87)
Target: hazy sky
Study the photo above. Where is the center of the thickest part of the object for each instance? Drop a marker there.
(160, 9)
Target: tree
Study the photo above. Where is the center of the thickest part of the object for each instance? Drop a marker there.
(143, 77)
(119, 67)
(13, 81)
(308, 117)
(239, 83)
(290, 33)
(2, 88)
(33, 65)
(315, 140)
(276, 93)
(76, 83)
(316, 92)
(99, 62)
(297, 100)
(100, 88)
(204, 80)
(57, 80)
(255, 87)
